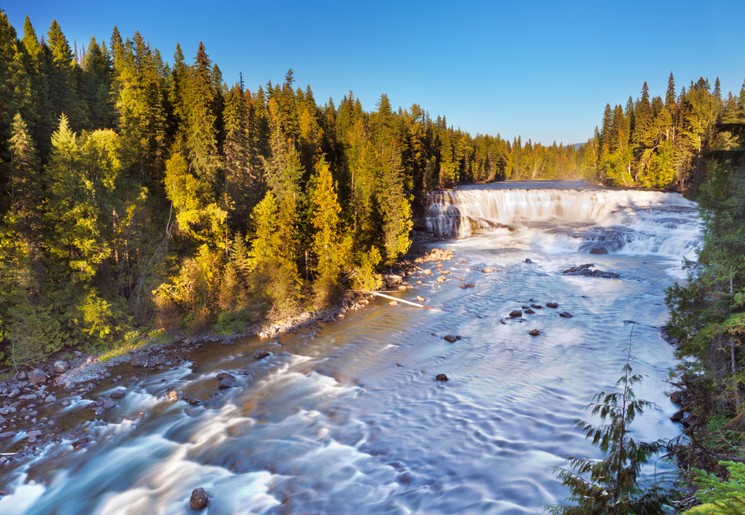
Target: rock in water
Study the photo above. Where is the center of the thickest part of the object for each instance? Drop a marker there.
(565, 314)
(261, 354)
(36, 376)
(225, 380)
(534, 332)
(585, 271)
(118, 394)
(529, 312)
(552, 305)
(450, 338)
(199, 499)
(516, 313)
(441, 377)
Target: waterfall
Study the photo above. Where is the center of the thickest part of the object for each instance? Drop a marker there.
(581, 218)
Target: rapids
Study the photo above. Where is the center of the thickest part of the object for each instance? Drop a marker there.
(346, 417)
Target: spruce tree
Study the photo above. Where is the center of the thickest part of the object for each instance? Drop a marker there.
(329, 245)
(611, 484)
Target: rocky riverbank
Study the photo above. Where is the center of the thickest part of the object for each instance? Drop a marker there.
(52, 401)
(33, 400)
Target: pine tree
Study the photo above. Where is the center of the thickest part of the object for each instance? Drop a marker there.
(272, 268)
(25, 186)
(330, 247)
(241, 181)
(200, 105)
(610, 485)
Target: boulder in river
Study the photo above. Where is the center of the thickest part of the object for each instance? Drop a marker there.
(451, 338)
(586, 271)
(678, 416)
(516, 313)
(552, 304)
(119, 393)
(199, 499)
(441, 378)
(529, 312)
(225, 380)
(261, 354)
(565, 314)
(534, 332)
(36, 376)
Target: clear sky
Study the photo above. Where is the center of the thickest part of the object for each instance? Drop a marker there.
(543, 70)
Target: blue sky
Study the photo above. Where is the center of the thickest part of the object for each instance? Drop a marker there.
(543, 70)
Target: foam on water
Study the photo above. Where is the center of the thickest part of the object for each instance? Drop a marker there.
(594, 220)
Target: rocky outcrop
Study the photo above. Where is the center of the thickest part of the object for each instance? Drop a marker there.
(586, 271)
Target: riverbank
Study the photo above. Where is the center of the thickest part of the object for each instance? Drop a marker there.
(38, 402)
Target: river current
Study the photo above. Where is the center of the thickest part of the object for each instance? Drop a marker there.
(346, 417)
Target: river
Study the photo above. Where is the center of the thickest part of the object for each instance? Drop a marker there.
(346, 417)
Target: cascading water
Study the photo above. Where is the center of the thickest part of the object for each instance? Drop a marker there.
(346, 417)
(583, 218)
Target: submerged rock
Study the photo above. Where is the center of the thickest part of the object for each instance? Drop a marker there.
(516, 313)
(529, 312)
(552, 305)
(199, 499)
(441, 378)
(450, 338)
(565, 314)
(534, 332)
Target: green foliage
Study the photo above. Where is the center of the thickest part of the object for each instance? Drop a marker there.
(331, 248)
(365, 278)
(610, 484)
(718, 496)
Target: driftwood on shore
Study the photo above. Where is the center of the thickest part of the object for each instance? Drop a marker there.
(410, 303)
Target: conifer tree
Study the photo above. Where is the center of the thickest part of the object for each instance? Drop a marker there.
(201, 116)
(241, 182)
(611, 484)
(329, 245)
(25, 186)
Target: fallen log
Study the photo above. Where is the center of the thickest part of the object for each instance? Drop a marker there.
(415, 304)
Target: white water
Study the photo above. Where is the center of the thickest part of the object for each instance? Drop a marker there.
(347, 418)
(583, 218)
